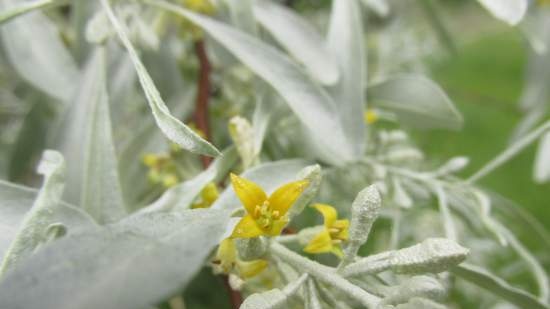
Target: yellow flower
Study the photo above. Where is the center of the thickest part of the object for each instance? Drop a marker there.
(209, 195)
(265, 215)
(226, 261)
(200, 6)
(371, 116)
(334, 233)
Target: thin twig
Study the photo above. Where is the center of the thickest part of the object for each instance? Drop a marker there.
(203, 95)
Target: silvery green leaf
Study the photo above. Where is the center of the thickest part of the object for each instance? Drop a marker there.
(484, 279)
(509, 11)
(400, 196)
(380, 7)
(242, 15)
(13, 11)
(32, 231)
(312, 299)
(273, 299)
(174, 129)
(325, 274)
(445, 212)
(536, 28)
(101, 192)
(269, 176)
(345, 42)
(311, 103)
(490, 224)
(16, 201)
(314, 176)
(98, 28)
(299, 38)
(266, 103)
(542, 161)
(537, 270)
(181, 196)
(417, 101)
(87, 142)
(454, 165)
(35, 49)
(152, 257)
(419, 302)
(417, 286)
(364, 211)
(433, 255)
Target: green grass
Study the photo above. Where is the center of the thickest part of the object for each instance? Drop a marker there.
(485, 81)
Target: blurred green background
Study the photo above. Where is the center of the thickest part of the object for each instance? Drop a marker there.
(485, 80)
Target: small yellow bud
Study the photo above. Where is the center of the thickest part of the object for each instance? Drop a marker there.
(169, 180)
(371, 116)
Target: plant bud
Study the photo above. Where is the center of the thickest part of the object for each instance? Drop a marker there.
(250, 249)
(433, 255)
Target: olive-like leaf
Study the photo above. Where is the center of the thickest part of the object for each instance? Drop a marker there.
(417, 101)
(299, 38)
(173, 128)
(137, 262)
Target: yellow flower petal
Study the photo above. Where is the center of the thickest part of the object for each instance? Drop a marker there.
(251, 269)
(284, 197)
(250, 194)
(336, 250)
(320, 243)
(246, 228)
(343, 226)
(210, 193)
(278, 226)
(226, 255)
(329, 214)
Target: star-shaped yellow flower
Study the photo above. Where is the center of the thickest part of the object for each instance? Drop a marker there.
(334, 233)
(265, 215)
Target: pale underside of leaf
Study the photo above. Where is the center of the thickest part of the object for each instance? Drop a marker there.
(35, 49)
(417, 101)
(510, 11)
(172, 128)
(311, 103)
(299, 38)
(133, 264)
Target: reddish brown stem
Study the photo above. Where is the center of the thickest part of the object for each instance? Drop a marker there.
(235, 297)
(203, 95)
(201, 119)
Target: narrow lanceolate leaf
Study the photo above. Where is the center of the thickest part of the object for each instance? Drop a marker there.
(33, 230)
(345, 41)
(299, 38)
(132, 264)
(269, 176)
(274, 299)
(510, 11)
(16, 201)
(101, 192)
(242, 15)
(87, 144)
(174, 129)
(542, 162)
(181, 197)
(498, 286)
(36, 51)
(311, 103)
(417, 102)
(19, 9)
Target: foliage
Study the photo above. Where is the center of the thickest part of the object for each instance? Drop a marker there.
(150, 108)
